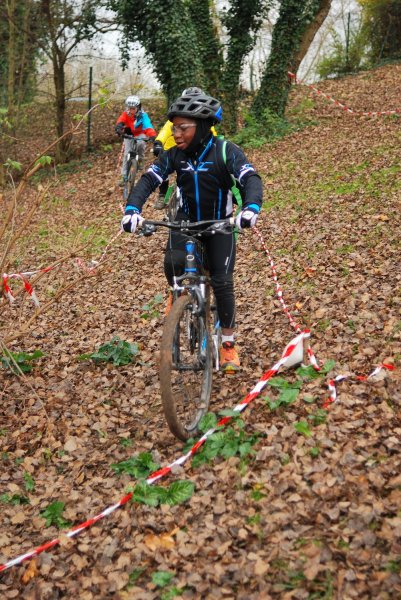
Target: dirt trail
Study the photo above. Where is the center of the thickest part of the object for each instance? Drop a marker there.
(307, 516)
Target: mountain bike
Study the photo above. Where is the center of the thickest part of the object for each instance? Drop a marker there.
(191, 338)
(132, 164)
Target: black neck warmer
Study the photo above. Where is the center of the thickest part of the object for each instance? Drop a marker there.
(200, 139)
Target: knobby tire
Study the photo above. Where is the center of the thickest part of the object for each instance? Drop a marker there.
(186, 369)
(129, 184)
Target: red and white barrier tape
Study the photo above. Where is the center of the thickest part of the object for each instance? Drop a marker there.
(279, 291)
(332, 383)
(291, 353)
(333, 397)
(23, 276)
(28, 288)
(95, 263)
(370, 113)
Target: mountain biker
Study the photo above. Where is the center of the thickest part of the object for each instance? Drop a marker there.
(205, 194)
(134, 121)
(164, 141)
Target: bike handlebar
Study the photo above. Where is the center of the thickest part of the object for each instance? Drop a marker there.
(129, 136)
(148, 227)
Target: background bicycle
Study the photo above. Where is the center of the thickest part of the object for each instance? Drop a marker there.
(172, 201)
(132, 164)
(191, 334)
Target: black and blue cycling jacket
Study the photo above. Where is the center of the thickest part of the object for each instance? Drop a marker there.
(204, 181)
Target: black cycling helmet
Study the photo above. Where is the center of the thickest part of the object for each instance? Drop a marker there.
(198, 106)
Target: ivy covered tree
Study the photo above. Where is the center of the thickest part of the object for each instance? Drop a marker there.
(209, 46)
(18, 53)
(186, 47)
(166, 30)
(189, 43)
(294, 21)
(242, 20)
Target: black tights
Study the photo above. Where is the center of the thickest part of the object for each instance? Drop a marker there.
(220, 255)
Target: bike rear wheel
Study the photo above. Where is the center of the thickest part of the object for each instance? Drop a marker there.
(185, 368)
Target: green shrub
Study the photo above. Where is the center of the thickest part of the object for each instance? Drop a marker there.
(118, 352)
(258, 132)
(339, 61)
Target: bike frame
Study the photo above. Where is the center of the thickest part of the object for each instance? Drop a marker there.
(188, 349)
(195, 279)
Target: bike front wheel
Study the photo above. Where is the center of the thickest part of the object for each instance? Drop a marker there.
(185, 368)
(129, 184)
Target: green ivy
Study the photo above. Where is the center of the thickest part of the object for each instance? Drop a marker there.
(153, 495)
(137, 466)
(118, 352)
(167, 33)
(242, 20)
(54, 515)
(225, 442)
(185, 48)
(293, 19)
(13, 499)
(162, 578)
(19, 361)
(288, 392)
(151, 308)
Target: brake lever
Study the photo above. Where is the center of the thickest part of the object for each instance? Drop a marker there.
(147, 230)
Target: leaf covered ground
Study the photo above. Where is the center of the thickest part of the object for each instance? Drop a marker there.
(314, 510)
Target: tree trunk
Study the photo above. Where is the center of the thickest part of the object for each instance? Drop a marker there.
(293, 20)
(242, 22)
(209, 46)
(11, 56)
(60, 105)
(310, 32)
(26, 49)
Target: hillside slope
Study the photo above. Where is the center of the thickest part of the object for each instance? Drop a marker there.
(314, 512)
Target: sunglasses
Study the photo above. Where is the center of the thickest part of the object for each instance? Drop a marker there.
(182, 128)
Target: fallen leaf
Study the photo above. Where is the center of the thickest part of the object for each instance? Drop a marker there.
(261, 567)
(30, 572)
(164, 540)
(18, 518)
(70, 445)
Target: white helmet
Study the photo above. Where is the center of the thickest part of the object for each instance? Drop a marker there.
(132, 102)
